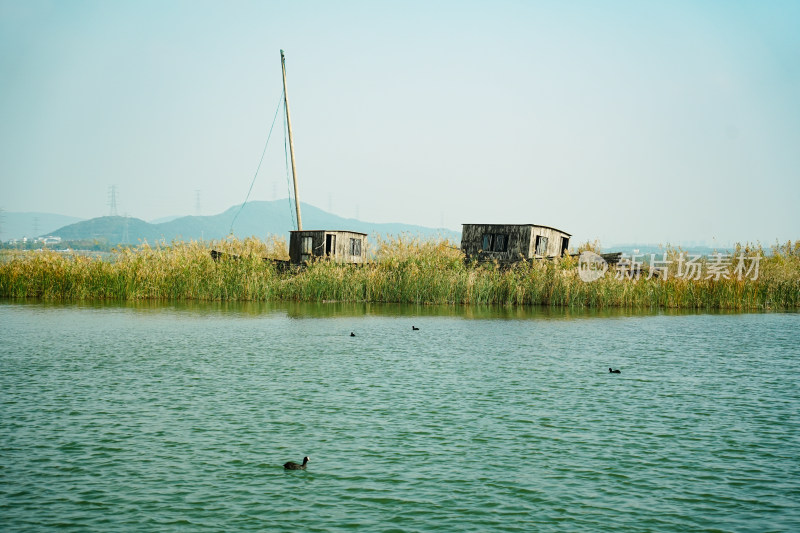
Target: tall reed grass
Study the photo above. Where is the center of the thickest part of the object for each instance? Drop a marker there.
(402, 270)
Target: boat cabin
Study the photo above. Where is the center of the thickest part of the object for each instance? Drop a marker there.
(508, 243)
(339, 246)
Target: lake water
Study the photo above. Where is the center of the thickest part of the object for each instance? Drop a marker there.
(155, 417)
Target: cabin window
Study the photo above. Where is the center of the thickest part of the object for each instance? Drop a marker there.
(330, 245)
(495, 242)
(355, 247)
(541, 245)
(500, 242)
(564, 245)
(306, 247)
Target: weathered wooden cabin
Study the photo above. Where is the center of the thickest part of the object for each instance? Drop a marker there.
(339, 246)
(508, 243)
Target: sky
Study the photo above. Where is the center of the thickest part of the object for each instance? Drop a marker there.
(653, 122)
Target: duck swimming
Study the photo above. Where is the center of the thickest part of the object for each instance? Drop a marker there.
(614, 371)
(415, 328)
(291, 465)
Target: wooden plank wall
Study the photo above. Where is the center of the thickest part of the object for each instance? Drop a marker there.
(342, 253)
(296, 240)
(343, 246)
(518, 241)
(521, 241)
(553, 240)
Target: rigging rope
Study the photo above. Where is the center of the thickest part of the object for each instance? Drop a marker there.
(259, 164)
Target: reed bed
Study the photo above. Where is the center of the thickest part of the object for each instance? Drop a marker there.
(403, 270)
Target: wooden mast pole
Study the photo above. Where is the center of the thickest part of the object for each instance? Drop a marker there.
(291, 143)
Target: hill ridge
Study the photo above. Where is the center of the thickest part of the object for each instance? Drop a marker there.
(257, 219)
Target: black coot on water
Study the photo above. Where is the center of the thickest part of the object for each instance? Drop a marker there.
(291, 465)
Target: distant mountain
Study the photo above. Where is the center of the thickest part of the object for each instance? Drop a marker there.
(111, 229)
(31, 225)
(642, 249)
(164, 219)
(259, 219)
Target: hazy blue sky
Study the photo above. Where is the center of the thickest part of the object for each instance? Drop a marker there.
(619, 121)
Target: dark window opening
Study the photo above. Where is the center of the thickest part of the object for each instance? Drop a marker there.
(330, 245)
(355, 247)
(494, 242)
(564, 245)
(500, 242)
(541, 245)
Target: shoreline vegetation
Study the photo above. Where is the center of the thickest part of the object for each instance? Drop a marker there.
(402, 270)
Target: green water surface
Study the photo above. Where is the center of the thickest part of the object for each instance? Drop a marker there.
(156, 417)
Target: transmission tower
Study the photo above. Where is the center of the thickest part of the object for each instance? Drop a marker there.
(112, 201)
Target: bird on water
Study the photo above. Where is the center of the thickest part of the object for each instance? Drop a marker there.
(352, 334)
(291, 465)
(614, 371)
(415, 328)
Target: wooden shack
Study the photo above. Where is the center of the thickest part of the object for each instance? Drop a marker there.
(507, 243)
(339, 246)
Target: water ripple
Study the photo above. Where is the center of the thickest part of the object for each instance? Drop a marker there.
(130, 419)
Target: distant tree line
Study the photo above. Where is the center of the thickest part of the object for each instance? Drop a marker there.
(94, 245)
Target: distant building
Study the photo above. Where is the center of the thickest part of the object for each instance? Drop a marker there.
(339, 246)
(512, 242)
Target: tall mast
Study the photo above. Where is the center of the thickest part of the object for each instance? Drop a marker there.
(291, 143)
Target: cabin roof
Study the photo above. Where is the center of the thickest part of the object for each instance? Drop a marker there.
(519, 225)
(329, 231)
